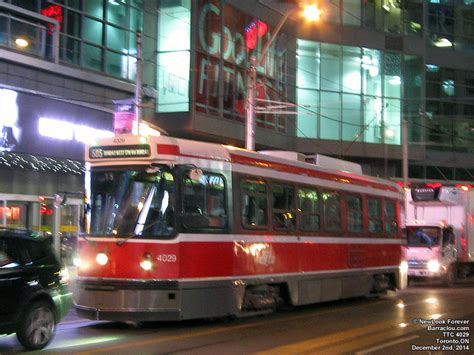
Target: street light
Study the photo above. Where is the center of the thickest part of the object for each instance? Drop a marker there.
(311, 13)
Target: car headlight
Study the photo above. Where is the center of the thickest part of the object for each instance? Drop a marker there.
(433, 265)
(403, 266)
(77, 261)
(64, 275)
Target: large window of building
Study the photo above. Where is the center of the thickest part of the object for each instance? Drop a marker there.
(97, 35)
(348, 93)
(391, 16)
(174, 45)
(225, 39)
(451, 25)
(449, 114)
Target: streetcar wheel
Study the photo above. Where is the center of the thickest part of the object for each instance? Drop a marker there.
(37, 326)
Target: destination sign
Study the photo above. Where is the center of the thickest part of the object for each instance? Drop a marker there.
(424, 194)
(119, 151)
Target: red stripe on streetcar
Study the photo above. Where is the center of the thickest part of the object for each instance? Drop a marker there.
(168, 149)
(177, 261)
(342, 177)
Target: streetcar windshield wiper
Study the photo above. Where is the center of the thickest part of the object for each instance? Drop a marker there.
(123, 240)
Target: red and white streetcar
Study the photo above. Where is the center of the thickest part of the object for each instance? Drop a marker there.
(182, 229)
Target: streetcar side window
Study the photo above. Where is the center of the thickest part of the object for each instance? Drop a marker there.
(331, 212)
(254, 204)
(354, 214)
(283, 201)
(309, 209)
(374, 206)
(390, 217)
(203, 201)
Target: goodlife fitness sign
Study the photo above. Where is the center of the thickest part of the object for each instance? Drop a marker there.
(232, 41)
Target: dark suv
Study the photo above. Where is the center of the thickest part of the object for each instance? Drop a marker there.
(34, 293)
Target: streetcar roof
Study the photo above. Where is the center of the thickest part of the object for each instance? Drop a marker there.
(133, 149)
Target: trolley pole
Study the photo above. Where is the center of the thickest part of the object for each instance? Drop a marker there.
(138, 82)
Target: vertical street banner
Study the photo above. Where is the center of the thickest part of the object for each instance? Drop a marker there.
(124, 116)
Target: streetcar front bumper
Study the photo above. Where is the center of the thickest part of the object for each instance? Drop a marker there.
(154, 300)
(118, 300)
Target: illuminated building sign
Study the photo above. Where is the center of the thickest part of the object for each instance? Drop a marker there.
(120, 151)
(68, 131)
(36, 125)
(224, 32)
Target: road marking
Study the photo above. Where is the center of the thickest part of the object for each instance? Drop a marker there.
(332, 339)
(386, 345)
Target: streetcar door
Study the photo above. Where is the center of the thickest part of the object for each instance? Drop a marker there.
(65, 227)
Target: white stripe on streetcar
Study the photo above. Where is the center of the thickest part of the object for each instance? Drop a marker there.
(250, 238)
(257, 276)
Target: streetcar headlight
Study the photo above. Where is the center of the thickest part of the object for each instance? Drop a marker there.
(403, 266)
(102, 259)
(433, 265)
(147, 262)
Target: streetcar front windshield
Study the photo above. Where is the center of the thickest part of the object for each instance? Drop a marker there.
(423, 236)
(126, 203)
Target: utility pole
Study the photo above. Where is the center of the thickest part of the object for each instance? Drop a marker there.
(405, 152)
(405, 164)
(138, 82)
(311, 13)
(252, 86)
(250, 109)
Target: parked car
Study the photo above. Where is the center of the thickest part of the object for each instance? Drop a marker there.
(34, 292)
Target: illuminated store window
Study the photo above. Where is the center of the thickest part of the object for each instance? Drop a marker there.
(308, 81)
(92, 30)
(371, 63)
(174, 31)
(330, 66)
(351, 70)
(351, 118)
(349, 93)
(330, 118)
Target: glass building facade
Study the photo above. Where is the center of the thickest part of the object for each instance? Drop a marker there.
(96, 35)
(348, 93)
(368, 65)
